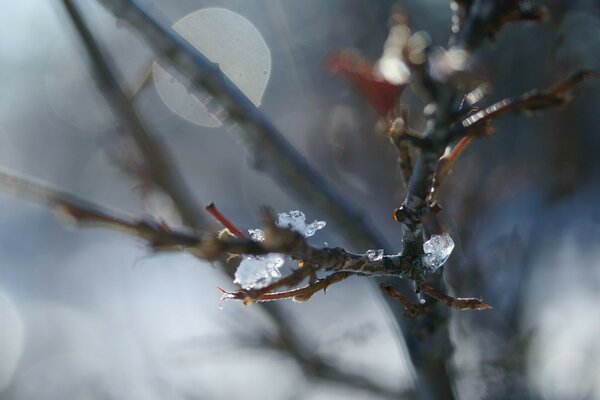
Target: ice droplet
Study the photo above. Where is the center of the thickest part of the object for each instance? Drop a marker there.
(256, 272)
(296, 221)
(437, 250)
(374, 255)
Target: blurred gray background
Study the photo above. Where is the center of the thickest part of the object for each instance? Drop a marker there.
(90, 314)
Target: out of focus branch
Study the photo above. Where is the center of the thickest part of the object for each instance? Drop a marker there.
(159, 163)
(271, 151)
(162, 171)
(160, 237)
(477, 20)
(209, 247)
(557, 95)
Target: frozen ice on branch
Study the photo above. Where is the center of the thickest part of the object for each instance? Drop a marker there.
(296, 221)
(257, 272)
(437, 250)
(375, 255)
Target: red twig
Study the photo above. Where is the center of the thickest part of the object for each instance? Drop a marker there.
(214, 211)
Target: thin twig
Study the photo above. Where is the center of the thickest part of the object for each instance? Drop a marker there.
(412, 310)
(214, 211)
(299, 294)
(457, 303)
(558, 94)
(446, 162)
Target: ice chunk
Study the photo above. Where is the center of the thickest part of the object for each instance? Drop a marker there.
(437, 250)
(257, 234)
(256, 272)
(296, 221)
(375, 255)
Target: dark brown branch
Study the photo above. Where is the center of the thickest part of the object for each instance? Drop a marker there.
(298, 294)
(476, 20)
(557, 95)
(446, 162)
(411, 310)
(210, 247)
(398, 134)
(466, 303)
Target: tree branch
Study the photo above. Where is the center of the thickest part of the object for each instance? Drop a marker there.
(271, 151)
(557, 95)
(159, 163)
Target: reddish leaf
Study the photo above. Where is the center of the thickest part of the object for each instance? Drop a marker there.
(380, 93)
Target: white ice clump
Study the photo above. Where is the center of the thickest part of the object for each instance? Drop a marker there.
(256, 272)
(296, 221)
(375, 255)
(258, 235)
(437, 250)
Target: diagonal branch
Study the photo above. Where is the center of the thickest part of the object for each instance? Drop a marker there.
(299, 294)
(163, 173)
(272, 152)
(464, 303)
(158, 161)
(558, 94)
(412, 310)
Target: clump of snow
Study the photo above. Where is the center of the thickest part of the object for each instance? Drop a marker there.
(437, 250)
(375, 255)
(296, 221)
(257, 272)
(258, 235)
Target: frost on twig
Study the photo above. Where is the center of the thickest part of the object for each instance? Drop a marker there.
(296, 221)
(437, 250)
(257, 272)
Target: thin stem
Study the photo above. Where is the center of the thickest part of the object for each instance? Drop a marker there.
(214, 211)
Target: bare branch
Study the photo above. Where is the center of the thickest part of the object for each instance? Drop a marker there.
(466, 303)
(446, 162)
(558, 94)
(272, 153)
(299, 294)
(399, 134)
(214, 211)
(476, 20)
(411, 310)
(158, 161)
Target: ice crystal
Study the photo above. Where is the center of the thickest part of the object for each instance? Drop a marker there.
(258, 235)
(256, 272)
(375, 255)
(437, 250)
(296, 221)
